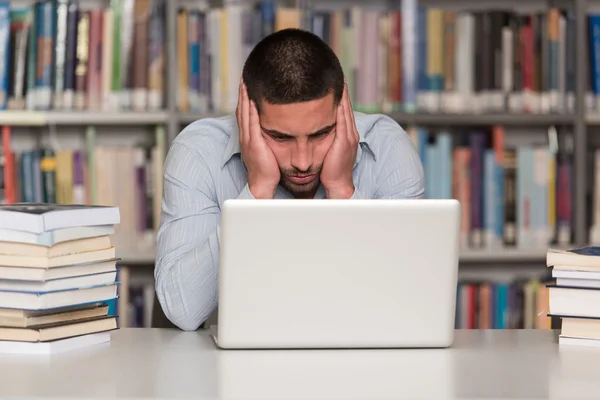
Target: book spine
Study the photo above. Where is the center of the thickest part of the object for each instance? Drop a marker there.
(116, 6)
(140, 51)
(4, 53)
(409, 55)
(126, 56)
(193, 56)
(31, 96)
(94, 70)
(106, 69)
(48, 168)
(20, 27)
(62, 10)
(46, 26)
(183, 102)
(82, 59)
(68, 100)
(156, 53)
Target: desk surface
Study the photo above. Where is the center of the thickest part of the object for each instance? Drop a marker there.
(168, 363)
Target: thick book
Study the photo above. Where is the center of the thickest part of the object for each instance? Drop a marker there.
(57, 261)
(57, 236)
(579, 327)
(32, 319)
(52, 285)
(55, 346)
(58, 331)
(68, 271)
(42, 217)
(59, 249)
(579, 257)
(57, 299)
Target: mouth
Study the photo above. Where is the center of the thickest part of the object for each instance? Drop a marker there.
(302, 179)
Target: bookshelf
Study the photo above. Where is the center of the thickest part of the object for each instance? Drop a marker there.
(137, 126)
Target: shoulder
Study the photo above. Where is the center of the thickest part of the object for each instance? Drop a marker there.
(204, 140)
(384, 137)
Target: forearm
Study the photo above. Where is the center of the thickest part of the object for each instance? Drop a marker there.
(187, 283)
(187, 278)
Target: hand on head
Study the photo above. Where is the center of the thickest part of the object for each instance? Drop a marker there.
(263, 171)
(336, 175)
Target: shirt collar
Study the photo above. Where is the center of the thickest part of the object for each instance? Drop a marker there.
(233, 146)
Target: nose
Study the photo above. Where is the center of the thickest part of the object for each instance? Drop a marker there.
(302, 155)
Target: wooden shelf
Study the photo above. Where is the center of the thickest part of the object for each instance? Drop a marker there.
(448, 119)
(483, 119)
(42, 118)
(466, 256)
(504, 255)
(129, 257)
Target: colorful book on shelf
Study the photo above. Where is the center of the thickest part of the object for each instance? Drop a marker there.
(66, 56)
(415, 57)
(512, 196)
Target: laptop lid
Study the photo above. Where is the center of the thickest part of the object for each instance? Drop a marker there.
(338, 273)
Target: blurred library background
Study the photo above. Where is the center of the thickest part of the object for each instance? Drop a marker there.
(501, 99)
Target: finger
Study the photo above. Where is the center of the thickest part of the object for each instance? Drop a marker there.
(245, 112)
(341, 127)
(352, 130)
(347, 117)
(254, 122)
(239, 105)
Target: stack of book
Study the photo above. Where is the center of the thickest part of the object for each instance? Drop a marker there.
(575, 296)
(57, 276)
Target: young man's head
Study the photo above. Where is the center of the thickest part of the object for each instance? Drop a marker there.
(296, 82)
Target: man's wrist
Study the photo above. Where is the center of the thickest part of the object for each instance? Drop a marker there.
(260, 192)
(343, 193)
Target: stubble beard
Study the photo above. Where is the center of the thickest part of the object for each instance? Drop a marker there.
(300, 191)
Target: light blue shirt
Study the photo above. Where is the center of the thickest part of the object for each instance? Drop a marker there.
(203, 168)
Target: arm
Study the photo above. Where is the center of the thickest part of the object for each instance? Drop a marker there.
(187, 257)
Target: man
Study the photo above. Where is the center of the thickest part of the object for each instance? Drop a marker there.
(294, 136)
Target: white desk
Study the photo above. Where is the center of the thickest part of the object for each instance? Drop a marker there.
(156, 363)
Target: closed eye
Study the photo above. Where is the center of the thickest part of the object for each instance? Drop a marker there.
(320, 134)
(323, 132)
(279, 138)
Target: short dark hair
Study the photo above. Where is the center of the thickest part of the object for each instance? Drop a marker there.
(291, 66)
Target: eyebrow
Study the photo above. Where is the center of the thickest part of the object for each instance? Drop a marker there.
(282, 135)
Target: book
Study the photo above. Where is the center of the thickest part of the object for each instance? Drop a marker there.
(59, 249)
(53, 285)
(43, 217)
(580, 257)
(56, 346)
(29, 319)
(56, 236)
(58, 331)
(58, 298)
(58, 261)
(63, 271)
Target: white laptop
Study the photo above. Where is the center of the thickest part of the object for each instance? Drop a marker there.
(337, 274)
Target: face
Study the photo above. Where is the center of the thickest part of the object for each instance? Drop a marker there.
(300, 136)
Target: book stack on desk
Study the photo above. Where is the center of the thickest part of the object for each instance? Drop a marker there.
(57, 276)
(575, 297)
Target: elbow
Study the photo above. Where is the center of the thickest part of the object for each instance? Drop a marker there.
(185, 307)
(186, 325)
